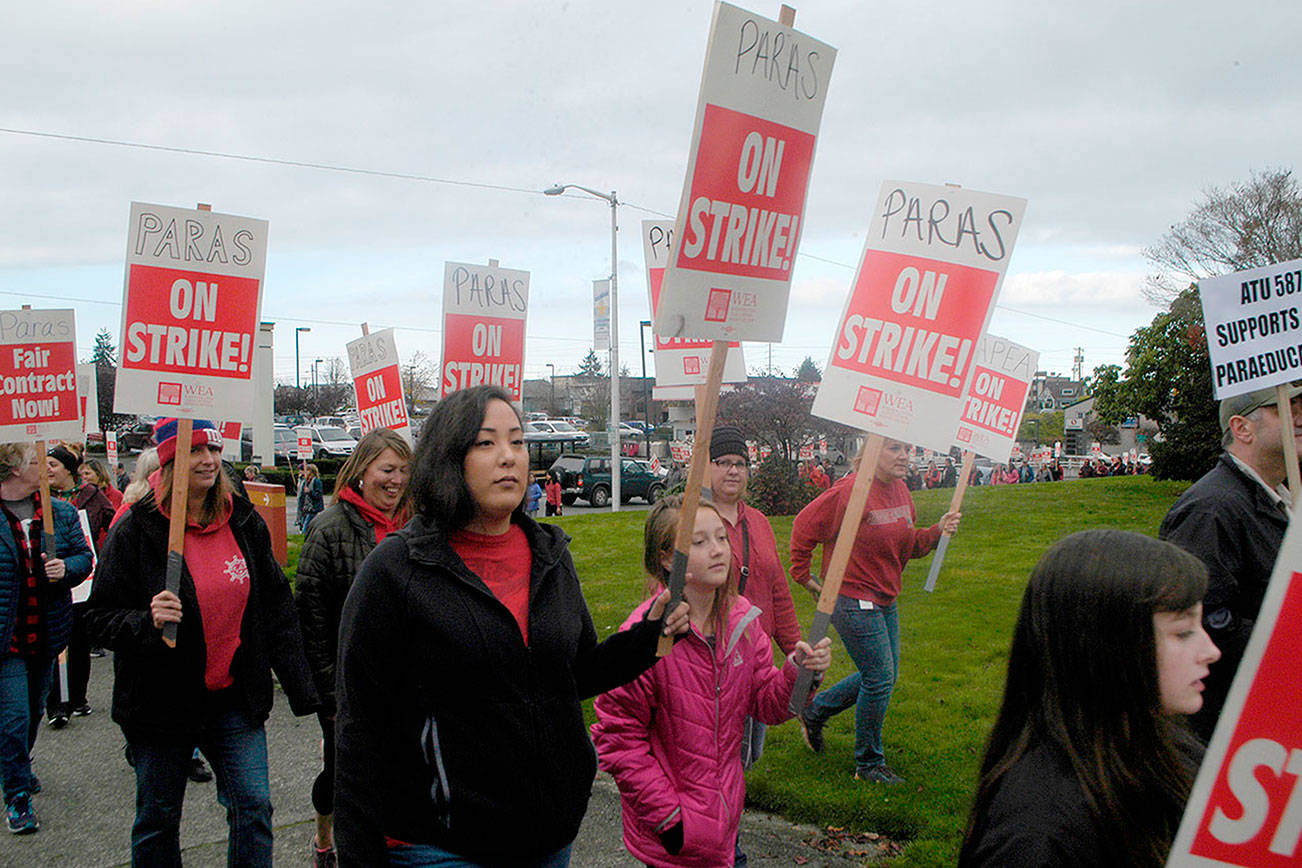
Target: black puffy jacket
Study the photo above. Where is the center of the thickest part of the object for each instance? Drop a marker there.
(337, 542)
(160, 691)
(451, 731)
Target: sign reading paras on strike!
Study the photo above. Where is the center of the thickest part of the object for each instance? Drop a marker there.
(484, 309)
(192, 300)
(377, 382)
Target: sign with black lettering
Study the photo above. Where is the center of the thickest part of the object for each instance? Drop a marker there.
(484, 310)
(1246, 806)
(1253, 320)
(931, 270)
(377, 383)
(190, 311)
(996, 398)
(743, 201)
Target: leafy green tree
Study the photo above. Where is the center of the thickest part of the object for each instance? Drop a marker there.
(808, 371)
(1043, 427)
(104, 356)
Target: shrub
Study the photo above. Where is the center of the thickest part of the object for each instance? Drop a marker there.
(776, 487)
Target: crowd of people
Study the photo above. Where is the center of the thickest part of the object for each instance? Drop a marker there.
(441, 637)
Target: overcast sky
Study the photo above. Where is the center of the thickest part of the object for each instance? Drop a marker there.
(1110, 118)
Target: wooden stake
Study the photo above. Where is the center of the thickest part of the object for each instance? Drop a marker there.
(179, 507)
(865, 470)
(47, 508)
(707, 405)
(955, 504)
(366, 329)
(1284, 407)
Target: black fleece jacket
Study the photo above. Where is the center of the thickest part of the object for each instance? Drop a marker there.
(450, 730)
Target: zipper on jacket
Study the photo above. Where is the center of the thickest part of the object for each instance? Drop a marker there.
(439, 791)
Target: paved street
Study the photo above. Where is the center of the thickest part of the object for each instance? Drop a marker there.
(87, 802)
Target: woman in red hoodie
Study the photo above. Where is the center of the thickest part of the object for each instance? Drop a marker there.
(865, 617)
(370, 501)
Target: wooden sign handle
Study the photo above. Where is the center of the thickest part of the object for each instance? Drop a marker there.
(177, 521)
(47, 507)
(707, 405)
(865, 470)
(955, 504)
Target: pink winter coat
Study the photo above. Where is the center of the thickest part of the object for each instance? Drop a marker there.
(672, 738)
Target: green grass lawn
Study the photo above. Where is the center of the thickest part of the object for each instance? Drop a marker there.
(954, 646)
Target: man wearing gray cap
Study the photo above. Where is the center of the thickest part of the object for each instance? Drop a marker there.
(1233, 520)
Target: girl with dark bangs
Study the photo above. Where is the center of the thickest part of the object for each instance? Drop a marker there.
(1090, 761)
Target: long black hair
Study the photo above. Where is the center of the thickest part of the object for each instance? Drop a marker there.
(1082, 680)
(438, 482)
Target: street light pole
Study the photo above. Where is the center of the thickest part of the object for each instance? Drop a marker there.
(298, 369)
(316, 395)
(612, 426)
(551, 408)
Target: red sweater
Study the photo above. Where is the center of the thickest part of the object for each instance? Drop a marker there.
(885, 542)
(767, 586)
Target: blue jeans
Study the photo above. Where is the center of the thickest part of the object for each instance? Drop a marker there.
(429, 856)
(24, 681)
(237, 751)
(872, 639)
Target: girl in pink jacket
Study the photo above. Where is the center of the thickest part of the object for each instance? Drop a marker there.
(672, 737)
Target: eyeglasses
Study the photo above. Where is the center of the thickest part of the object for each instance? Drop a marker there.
(726, 465)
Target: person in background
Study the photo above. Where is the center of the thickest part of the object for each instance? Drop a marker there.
(93, 472)
(672, 747)
(866, 615)
(555, 494)
(371, 501)
(761, 578)
(465, 649)
(253, 474)
(67, 484)
(1233, 520)
(310, 499)
(1090, 761)
(931, 479)
(235, 624)
(35, 618)
(124, 478)
(949, 476)
(533, 497)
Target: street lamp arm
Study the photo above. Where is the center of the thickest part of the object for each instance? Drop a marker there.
(558, 189)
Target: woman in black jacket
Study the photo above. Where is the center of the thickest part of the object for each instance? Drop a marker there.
(235, 624)
(464, 652)
(370, 501)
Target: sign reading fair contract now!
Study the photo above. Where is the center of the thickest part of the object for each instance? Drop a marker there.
(1246, 806)
(1254, 327)
(192, 299)
(38, 376)
(931, 269)
(743, 202)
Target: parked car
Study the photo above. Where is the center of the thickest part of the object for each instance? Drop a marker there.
(330, 442)
(138, 435)
(560, 426)
(587, 477)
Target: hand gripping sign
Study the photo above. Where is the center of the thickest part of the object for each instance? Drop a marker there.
(1246, 806)
(992, 412)
(190, 311)
(679, 362)
(743, 199)
(1253, 323)
(484, 309)
(377, 382)
(930, 273)
(38, 376)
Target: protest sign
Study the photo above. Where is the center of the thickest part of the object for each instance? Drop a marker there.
(996, 397)
(484, 309)
(678, 361)
(38, 376)
(88, 398)
(377, 383)
(930, 273)
(1246, 805)
(1253, 323)
(304, 436)
(191, 302)
(111, 452)
(742, 207)
(232, 443)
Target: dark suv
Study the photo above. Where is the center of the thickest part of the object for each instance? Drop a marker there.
(587, 477)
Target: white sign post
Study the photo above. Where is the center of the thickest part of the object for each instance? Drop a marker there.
(743, 201)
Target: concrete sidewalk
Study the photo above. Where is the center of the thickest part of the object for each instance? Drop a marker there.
(88, 801)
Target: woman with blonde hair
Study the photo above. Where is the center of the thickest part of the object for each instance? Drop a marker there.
(371, 500)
